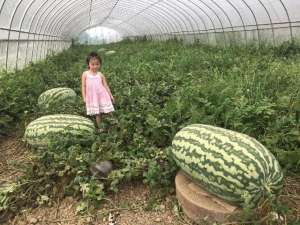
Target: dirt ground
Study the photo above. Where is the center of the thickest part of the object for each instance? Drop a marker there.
(132, 205)
(11, 149)
(128, 207)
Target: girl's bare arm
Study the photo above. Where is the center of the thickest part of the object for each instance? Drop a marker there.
(83, 86)
(107, 87)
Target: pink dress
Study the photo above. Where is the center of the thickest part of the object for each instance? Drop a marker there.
(97, 98)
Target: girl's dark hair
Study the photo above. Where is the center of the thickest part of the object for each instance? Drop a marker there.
(93, 55)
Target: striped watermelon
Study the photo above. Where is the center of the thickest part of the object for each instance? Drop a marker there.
(111, 52)
(55, 98)
(228, 164)
(40, 131)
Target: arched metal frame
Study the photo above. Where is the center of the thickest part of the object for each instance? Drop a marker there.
(41, 22)
(55, 22)
(255, 19)
(270, 19)
(165, 12)
(216, 14)
(150, 16)
(163, 26)
(64, 22)
(59, 28)
(69, 12)
(61, 9)
(160, 26)
(170, 15)
(240, 16)
(9, 32)
(20, 30)
(43, 11)
(109, 14)
(226, 15)
(288, 18)
(210, 19)
(163, 16)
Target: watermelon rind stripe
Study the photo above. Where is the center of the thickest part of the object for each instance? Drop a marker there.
(40, 131)
(231, 165)
(237, 140)
(234, 172)
(55, 95)
(235, 155)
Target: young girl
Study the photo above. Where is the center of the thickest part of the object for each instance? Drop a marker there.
(95, 91)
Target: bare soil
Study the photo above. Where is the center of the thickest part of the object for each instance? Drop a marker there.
(128, 206)
(133, 204)
(11, 149)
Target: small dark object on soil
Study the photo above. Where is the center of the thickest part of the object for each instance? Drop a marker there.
(101, 168)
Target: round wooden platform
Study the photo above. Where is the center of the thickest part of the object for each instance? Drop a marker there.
(199, 205)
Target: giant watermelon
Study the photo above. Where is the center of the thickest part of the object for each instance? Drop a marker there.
(54, 100)
(228, 164)
(39, 132)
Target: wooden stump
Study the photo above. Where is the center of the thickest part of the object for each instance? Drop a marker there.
(199, 205)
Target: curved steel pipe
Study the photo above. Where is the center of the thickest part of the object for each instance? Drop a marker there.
(255, 19)
(71, 29)
(165, 12)
(288, 18)
(241, 18)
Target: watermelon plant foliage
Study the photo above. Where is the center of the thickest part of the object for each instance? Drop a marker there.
(159, 88)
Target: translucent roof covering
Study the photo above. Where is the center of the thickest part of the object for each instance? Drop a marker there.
(31, 29)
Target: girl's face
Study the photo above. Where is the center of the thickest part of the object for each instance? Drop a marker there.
(94, 65)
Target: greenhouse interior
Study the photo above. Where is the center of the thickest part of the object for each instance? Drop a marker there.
(150, 112)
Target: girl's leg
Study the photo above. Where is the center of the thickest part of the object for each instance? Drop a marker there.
(98, 120)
